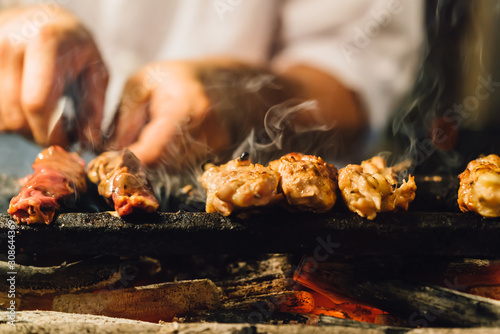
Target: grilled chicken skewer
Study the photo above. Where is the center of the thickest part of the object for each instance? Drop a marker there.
(59, 178)
(480, 186)
(371, 187)
(239, 184)
(122, 181)
(308, 182)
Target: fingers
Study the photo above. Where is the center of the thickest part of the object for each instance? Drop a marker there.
(43, 83)
(11, 115)
(176, 123)
(160, 141)
(175, 145)
(51, 63)
(167, 121)
(132, 114)
(35, 71)
(149, 118)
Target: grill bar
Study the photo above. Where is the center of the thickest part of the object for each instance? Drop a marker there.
(409, 233)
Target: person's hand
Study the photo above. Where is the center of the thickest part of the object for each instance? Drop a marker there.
(175, 114)
(165, 116)
(42, 50)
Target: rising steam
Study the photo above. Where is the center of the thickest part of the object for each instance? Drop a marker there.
(279, 135)
(427, 126)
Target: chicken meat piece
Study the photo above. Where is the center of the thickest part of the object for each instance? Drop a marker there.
(121, 179)
(480, 187)
(239, 184)
(307, 181)
(372, 188)
(57, 181)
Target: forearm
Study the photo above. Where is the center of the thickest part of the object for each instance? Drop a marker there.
(205, 106)
(337, 106)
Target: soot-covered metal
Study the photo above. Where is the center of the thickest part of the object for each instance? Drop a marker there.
(276, 231)
(433, 227)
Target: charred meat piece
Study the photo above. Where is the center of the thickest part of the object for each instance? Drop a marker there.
(121, 179)
(308, 182)
(58, 179)
(480, 187)
(372, 188)
(239, 184)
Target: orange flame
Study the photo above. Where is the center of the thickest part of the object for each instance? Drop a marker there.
(310, 299)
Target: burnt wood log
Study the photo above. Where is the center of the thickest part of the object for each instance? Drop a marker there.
(275, 231)
(36, 287)
(454, 273)
(28, 322)
(84, 275)
(286, 301)
(239, 291)
(153, 302)
(333, 321)
(272, 275)
(254, 316)
(423, 305)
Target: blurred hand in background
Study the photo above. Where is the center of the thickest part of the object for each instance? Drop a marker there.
(180, 104)
(44, 48)
(165, 115)
(173, 113)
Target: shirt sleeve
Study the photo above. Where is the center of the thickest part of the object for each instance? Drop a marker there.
(372, 46)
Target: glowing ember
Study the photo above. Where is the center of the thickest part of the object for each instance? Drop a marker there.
(332, 305)
(296, 302)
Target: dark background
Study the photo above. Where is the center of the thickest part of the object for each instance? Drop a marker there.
(462, 45)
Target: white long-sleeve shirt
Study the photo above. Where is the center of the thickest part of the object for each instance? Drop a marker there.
(372, 46)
